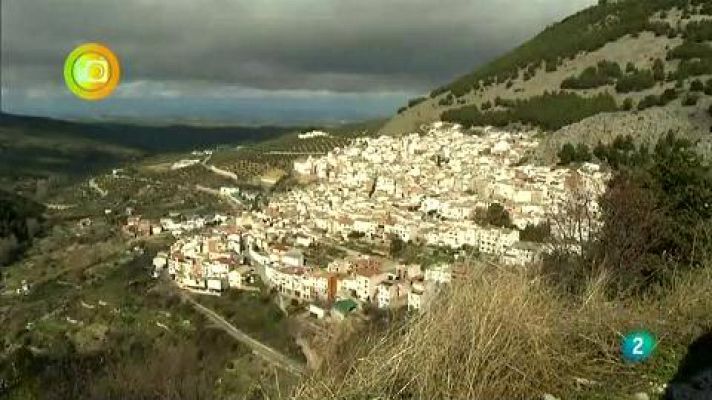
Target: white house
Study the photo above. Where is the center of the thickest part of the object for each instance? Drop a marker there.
(439, 274)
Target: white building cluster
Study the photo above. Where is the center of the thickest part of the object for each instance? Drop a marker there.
(427, 187)
(423, 188)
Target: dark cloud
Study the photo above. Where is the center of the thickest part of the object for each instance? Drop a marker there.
(366, 46)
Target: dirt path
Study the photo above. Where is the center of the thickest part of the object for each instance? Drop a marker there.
(268, 353)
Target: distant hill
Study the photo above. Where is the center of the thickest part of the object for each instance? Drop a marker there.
(638, 67)
(43, 146)
(20, 220)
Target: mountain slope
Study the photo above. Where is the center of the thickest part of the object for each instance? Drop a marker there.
(46, 147)
(648, 57)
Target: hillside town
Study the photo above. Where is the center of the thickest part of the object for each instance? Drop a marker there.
(422, 189)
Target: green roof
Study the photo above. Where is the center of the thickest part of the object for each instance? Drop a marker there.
(345, 306)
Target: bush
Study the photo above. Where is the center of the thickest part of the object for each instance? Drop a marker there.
(689, 68)
(658, 70)
(447, 101)
(672, 188)
(494, 215)
(691, 99)
(627, 104)
(539, 233)
(416, 101)
(485, 106)
(698, 31)
(690, 50)
(498, 101)
(660, 28)
(648, 101)
(593, 77)
(549, 111)
(574, 154)
(635, 82)
(551, 66)
(697, 86)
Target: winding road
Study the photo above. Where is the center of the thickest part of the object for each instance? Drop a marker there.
(267, 353)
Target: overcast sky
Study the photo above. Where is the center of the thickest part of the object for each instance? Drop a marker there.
(259, 61)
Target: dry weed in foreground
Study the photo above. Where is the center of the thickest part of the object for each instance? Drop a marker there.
(499, 334)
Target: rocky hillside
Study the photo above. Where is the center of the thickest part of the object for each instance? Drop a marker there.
(638, 67)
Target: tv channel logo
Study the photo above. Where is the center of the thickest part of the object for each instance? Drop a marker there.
(638, 346)
(92, 71)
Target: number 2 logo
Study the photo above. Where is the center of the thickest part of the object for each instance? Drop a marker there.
(638, 346)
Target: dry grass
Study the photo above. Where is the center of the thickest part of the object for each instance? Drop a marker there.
(505, 335)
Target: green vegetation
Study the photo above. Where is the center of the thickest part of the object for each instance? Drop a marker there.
(585, 31)
(698, 31)
(656, 214)
(658, 70)
(603, 74)
(494, 215)
(574, 154)
(690, 50)
(691, 99)
(549, 111)
(539, 233)
(42, 147)
(652, 100)
(20, 221)
(635, 81)
(622, 151)
(416, 101)
(414, 253)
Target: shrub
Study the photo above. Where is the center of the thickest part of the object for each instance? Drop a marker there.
(697, 86)
(635, 82)
(630, 67)
(538, 233)
(566, 154)
(486, 105)
(698, 31)
(416, 101)
(690, 50)
(551, 65)
(660, 28)
(498, 101)
(593, 77)
(691, 99)
(494, 215)
(658, 70)
(574, 154)
(627, 104)
(447, 101)
(549, 111)
(667, 96)
(648, 101)
(689, 68)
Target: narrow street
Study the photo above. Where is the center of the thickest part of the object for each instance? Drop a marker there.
(267, 353)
